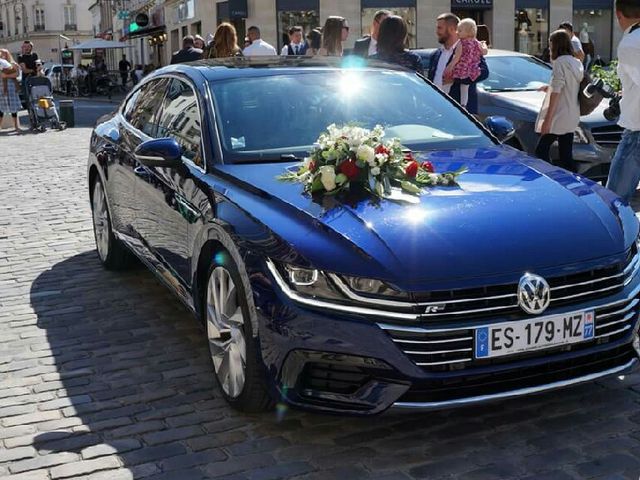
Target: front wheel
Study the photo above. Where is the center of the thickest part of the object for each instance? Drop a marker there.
(234, 350)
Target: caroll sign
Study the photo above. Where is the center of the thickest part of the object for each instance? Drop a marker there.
(472, 4)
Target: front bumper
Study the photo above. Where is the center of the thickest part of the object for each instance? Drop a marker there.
(348, 363)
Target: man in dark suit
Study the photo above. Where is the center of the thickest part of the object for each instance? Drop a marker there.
(188, 53)
(446, 30)
(367, 45)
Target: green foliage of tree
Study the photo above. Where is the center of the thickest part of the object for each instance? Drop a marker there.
(608, 74)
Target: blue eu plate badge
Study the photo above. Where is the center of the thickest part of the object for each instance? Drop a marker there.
(482, 342)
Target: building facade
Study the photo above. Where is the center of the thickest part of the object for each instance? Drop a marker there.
(521, 25)
(43, 22)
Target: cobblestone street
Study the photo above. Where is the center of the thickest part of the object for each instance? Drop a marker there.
(106, 376)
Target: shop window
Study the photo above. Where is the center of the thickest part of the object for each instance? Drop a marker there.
(403, 8)
(532, 29)
(291, 13)
(593, 23)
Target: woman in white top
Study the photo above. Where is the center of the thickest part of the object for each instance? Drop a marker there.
(560, 113)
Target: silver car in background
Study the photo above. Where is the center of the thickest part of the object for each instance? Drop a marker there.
(512, 91)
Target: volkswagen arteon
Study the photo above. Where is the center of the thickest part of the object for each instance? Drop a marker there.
(522, 278)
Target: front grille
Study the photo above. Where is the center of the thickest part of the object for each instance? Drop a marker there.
(442, 390)
(608, 136)
(502, 300)
(447, 349)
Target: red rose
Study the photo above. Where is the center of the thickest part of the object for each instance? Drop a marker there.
(411, 169)
(382, 149)
(350, 169)
(312, 166)
(428, 166)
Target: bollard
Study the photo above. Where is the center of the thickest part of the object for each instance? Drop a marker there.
(67, 113)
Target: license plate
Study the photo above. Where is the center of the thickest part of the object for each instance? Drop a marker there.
(535, 334)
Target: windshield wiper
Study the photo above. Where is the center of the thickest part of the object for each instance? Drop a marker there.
(512, 89)
(261, 158)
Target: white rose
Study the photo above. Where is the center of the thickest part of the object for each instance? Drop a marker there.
(375, 171)
(366, 154)
(381, 157)
(328, 177)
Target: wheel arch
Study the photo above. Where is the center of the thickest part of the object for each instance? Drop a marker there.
(213, 241)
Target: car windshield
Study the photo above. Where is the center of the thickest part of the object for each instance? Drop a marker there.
(514, 73)
(274, 117)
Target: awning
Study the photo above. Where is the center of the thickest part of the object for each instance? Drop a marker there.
(99, 43)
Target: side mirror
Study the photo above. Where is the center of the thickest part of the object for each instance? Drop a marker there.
(501, 128)
(159, 152)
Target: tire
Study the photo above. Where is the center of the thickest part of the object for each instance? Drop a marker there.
(242, 381)
(111, 251)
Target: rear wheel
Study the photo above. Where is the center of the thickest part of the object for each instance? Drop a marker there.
(112, 253)
(234, 351)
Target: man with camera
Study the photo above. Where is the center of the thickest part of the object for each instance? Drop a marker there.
(625, 166)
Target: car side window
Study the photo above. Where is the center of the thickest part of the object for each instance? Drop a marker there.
(180, 119)
(142, 107)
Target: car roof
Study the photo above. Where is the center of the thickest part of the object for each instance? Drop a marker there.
(236, 67)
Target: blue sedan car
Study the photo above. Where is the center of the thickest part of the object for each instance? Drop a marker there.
(521, 278)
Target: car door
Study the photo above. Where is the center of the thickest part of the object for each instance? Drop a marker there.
(165, 194)
(111, 151)
(122, 135)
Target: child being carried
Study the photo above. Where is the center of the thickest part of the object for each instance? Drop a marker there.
(465, 64)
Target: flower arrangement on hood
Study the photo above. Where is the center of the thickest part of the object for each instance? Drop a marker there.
(347, 155)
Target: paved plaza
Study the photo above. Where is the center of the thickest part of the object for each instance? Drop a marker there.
(106, 376)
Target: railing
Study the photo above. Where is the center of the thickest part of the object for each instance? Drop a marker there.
(39, 28)
(70, 27)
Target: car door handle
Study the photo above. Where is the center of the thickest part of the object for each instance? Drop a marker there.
(141, 172)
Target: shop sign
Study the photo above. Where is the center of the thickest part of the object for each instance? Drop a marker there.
(472, 4)
(238, 9)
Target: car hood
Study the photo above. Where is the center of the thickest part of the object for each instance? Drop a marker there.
(532, 102)
(510, 213)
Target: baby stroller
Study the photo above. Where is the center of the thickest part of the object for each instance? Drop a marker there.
(40, 105)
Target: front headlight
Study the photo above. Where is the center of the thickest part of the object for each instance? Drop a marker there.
(332, 286)
(580, 137)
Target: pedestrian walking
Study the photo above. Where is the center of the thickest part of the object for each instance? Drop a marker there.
(297, 45)
(625, 166)
(188, 53)
(392, 41)
(368, 45)
(334, 33)
(225, 42)
(467, 56)
(10, 77)
(257, 47)
(124, 67)
(576, 44)
(447, 34)
(560, 113)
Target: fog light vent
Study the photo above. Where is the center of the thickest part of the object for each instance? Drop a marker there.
(331, 378)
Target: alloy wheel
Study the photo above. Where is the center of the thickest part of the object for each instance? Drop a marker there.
(101, 226)
(225, 330)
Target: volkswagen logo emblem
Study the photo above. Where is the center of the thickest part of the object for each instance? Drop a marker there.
(534, 294)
